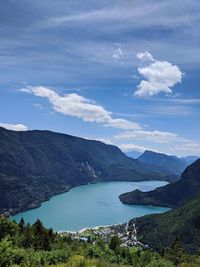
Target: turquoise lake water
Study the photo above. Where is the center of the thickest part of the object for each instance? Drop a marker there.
(91, 205)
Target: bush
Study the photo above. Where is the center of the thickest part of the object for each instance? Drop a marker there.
(6, 253)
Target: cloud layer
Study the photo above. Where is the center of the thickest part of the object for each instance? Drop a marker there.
(132, 147)
(80, 107)
(160, 76)
(154, 136)
(14, 127)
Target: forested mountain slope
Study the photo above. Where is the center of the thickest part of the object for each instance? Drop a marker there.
(34, 165)
(181, 224)
(171, 195)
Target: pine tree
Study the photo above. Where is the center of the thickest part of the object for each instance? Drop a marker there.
(21, 224)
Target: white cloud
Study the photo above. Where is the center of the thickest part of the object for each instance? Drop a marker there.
(118, 53)
(183, 101)
(131, 147)
(14, 127)
(155, 136)
(189, 148)
(122, 124)
(133, 15)
(160, 76)
(80, 107)
(97, 15)
(145, 56)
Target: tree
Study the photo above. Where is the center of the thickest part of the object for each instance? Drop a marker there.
(6, 253)
(7, 227)
(21, 224)
(38, 227)
(177, 253)
(114, 242)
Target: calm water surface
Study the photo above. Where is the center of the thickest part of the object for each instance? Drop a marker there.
(91, 205)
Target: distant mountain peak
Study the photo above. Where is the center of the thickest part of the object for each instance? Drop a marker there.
(172, 164)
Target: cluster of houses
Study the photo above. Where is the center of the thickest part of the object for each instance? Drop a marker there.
(127, 233)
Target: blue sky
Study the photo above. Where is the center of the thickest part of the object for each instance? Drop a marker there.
(124, 72)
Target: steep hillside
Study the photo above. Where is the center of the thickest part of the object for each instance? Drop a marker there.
(183, 223)
(34, 165)
(171, 195)
(169, 164)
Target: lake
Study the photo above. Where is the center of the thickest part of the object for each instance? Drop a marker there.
(91, 205)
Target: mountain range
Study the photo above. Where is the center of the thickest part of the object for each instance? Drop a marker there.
(35, 165)
(169, 164)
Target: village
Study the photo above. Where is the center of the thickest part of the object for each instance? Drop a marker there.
(127, 234)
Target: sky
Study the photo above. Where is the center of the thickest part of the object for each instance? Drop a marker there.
(124, 72)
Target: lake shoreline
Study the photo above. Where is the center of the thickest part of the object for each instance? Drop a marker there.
(81, 231)
(90, 205)
(11, 212)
